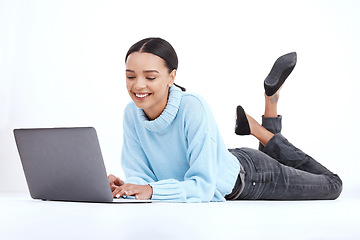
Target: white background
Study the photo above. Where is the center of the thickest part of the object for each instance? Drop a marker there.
(62, 65)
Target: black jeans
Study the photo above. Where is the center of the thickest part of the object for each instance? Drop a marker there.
(280, 171)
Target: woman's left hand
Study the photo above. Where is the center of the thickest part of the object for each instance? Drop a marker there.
(141, 192)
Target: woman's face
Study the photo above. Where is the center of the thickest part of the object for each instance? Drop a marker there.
(148, 81)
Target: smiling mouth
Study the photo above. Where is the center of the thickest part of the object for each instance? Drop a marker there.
(142, 95)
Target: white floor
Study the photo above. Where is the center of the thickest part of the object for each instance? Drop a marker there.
(24, 218)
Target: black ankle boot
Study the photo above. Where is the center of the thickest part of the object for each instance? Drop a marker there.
(279, 72)
(242, 124)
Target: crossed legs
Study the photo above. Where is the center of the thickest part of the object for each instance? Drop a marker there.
(258, 131)
(280, 171)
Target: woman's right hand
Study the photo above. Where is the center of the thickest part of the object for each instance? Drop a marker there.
(114, 182)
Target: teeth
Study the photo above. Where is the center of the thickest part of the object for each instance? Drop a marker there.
(141, 95)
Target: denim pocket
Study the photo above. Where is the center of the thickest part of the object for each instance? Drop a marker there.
(264, 166)
(261, 171)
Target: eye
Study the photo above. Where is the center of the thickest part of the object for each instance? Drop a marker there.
(130, 77)
(151, 78)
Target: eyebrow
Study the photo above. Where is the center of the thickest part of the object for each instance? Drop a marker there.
(146, 71)
(150, 71)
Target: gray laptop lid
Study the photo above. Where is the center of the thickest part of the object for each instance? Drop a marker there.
(63, 164)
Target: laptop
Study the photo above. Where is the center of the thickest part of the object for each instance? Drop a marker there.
(65, 164)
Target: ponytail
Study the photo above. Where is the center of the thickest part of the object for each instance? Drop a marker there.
(182, 88)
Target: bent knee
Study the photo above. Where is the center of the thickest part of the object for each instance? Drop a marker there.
(336, 188)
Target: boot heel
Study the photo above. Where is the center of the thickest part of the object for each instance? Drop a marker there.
(242, 124)
(281, 69)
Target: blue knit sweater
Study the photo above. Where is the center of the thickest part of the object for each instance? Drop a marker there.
(180, 154)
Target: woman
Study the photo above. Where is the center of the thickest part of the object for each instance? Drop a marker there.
(173, 150)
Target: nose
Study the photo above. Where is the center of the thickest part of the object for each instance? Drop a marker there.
(140, 83)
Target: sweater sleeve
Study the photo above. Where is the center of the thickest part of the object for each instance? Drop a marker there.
(137, 167)
(199, 184)
(199, 181)
(134, 162)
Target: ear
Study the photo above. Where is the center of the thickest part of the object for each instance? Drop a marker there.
(172, 77)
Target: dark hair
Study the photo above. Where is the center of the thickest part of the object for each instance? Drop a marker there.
(160, 48)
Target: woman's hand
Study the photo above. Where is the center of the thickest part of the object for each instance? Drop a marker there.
(141, 192)
(114, 182)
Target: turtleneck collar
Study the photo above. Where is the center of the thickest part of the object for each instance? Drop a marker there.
(167, 116)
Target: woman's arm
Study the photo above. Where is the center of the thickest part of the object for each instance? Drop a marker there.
(199, 182)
